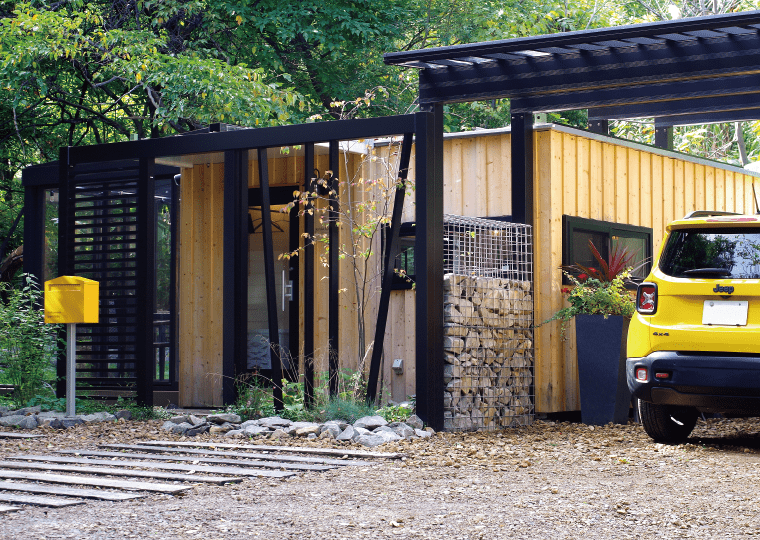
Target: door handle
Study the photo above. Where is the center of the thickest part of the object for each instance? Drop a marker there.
(287, 290)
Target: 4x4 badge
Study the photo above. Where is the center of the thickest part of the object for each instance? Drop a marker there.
(720, 288)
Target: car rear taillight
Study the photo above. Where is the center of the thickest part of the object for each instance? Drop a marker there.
(646, 298)
(642, 375)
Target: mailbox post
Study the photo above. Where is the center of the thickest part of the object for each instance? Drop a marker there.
(71, 300)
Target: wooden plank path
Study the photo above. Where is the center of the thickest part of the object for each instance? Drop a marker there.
(191, 459)
(115, 471)
(128, 471)
(71, 479)
(289, 449)
(239, 471)
(9, 435)
(301, 463)
(37, 501)
(70, 492)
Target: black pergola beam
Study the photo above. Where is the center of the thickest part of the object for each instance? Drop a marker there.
(711, 110)
(245, 139)
(732, 23)
(274, 329)
(645, 65)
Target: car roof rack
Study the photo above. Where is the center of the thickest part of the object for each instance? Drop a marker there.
(707, 213)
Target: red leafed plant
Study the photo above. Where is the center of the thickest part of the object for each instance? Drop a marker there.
(620, 259)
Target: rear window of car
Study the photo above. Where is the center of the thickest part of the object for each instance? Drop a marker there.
(713, 253)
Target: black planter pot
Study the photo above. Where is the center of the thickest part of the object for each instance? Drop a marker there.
(601, 346)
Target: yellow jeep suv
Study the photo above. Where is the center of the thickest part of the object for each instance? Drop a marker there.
(694, 342)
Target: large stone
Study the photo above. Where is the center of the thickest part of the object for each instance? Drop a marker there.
(235, 433)
(333, 429)
(28, 422)
(307, 430)
(196, 420)
(180, 429)
(401, 429)
(65, 423)
(203, 428)
(348, 434)
(249, 423)
(11, 420)
(223, 418)
(224, 428)
(423, 434)
(97, 417)
(125, 414)
(371, 440)
(167, 425)
(274, 422)
(255, 431)
(388, 434)
(29, 410)
(414, 422)
(370, 422)
(183, 418)
(278, 434)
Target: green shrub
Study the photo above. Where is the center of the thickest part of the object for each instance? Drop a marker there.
(29, 347)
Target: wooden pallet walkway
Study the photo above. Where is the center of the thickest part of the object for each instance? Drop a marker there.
(266, 460)
(126, 471)
(11, 435)
(340, 452)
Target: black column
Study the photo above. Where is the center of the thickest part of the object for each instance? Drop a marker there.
(663, 136)
(235, 272)
(428, 253)
(274, 330)
(599, 126)
(522, 168)
(64, 250)
(145, 278)
(308, 292)
(34, 231)
(333, 346)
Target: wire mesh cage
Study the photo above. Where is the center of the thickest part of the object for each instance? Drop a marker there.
(488, 319)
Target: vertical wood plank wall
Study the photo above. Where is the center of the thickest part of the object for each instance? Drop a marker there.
(605, 180)
(575, 174)
(201, 236)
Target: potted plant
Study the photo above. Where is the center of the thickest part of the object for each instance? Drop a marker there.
(602, 309)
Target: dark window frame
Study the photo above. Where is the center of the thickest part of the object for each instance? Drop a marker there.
(571, 224)
(406, 233)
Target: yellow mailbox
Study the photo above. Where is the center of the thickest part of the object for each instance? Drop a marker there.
(71, 299)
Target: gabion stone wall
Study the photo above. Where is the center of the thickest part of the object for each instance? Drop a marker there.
(488, 319)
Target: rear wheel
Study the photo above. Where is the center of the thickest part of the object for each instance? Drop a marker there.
(667, 423)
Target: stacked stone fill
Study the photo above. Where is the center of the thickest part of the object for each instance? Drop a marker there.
(488, 353)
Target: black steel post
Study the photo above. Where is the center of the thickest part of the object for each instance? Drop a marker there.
(308, 292)
(333, 345)
(663, 136)
(145, 282)
(174, 231)
(294, 341)
(274, 332)
(599, 126)
(428, 253)
(64, 250)
(522, 168)
(391, 248)
(34, 232)
(235, 273)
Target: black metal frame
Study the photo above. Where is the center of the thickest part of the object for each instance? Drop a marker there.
(428, 129)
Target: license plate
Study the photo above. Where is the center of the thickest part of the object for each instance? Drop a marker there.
(725, 312)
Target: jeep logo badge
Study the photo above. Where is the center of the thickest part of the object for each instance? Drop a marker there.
(721, 289)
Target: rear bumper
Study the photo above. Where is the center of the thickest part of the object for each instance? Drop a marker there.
(708, 381)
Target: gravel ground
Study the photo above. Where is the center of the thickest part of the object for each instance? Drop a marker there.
(551, 480)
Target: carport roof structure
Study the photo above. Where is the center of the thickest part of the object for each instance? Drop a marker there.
(695, 65)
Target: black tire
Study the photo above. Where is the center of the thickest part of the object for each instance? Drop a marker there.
(667, 423)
